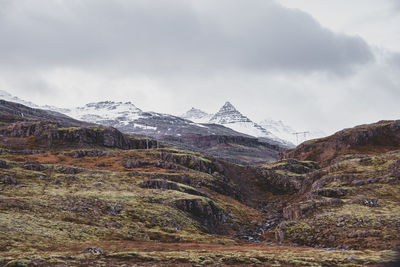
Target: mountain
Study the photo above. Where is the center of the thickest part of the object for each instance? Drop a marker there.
(73, 194)
(8, 97)
(130, 119)
(230, 117)
(116, 114)
(278, 128)
(197, 115)
(285, 132)
(214, 139)
(13, 112)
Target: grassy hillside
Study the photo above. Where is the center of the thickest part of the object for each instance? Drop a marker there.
(75, 194)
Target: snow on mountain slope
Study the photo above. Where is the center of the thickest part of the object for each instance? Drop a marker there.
(230, 117)
(197, 115)
(106, 110)
(279, 129)
(8, 97)
(129, 118)
(286, 132)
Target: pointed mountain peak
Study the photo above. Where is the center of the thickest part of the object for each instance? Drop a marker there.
(195, 109)
(228, 114)
(196, 115)
(228, 105)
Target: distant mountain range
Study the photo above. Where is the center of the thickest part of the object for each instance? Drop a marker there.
(228, 129)
(230, 117)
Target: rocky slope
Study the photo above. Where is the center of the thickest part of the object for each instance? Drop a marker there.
(374, 138)
(12, 112)
(89, 195)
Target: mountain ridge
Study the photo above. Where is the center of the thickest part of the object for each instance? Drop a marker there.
(226, 143)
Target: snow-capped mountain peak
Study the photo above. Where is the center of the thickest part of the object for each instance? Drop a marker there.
(106, 110)
(197, 115)
(230, 117)
(228, 114)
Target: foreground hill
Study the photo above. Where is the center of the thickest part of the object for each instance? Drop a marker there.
(74, 194)
(373, 138)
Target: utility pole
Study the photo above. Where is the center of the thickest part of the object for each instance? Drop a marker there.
(297, 135)
(147, 138)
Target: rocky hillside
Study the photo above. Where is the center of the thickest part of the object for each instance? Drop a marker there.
(89, 195)
(11, 112)
(373, 138)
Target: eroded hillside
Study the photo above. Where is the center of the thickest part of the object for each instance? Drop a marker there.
(76, 194)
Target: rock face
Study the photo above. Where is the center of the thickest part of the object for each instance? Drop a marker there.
(205, 211)
(236, 149)
(50, 135)
(285, 177)
(374, 138)
(192, 162)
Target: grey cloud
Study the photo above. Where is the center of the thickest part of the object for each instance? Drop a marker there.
(171, 37)
(394, 60)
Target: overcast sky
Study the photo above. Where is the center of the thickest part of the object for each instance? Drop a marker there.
(313, 64)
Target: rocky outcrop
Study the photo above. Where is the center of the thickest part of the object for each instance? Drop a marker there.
(160, 184)
(285, 177)
(370, 202)
(167, 185)
(298, 232)
(192, 162)
(34, 166)
(53, 135)
(297, 211)
(67, 170)
(237, 149)
(282, 183)
(89, 153)
(205, 211)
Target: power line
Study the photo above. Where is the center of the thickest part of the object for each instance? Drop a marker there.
(299, 133)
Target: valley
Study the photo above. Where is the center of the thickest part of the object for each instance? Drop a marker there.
(76, 193)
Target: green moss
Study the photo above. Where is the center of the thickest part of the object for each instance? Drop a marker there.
(69, 129)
